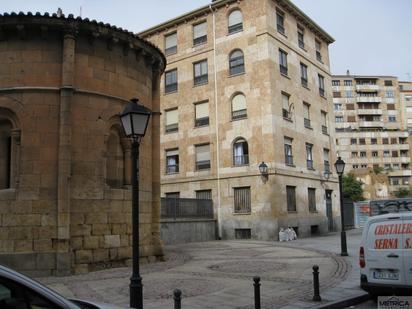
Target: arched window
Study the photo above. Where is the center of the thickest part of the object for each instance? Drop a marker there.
(240, 152)
(235, 22)
(236, 62)
(9, 149)
(239, 107)
(5, 153)
(115, 160)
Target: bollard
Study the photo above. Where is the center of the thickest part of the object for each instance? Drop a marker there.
(177, 296)
(316, 294)
(257, 291)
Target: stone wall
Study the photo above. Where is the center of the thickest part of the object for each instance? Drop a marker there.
(63, 83)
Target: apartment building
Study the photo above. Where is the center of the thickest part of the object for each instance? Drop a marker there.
(405, 93)
(371, 131)
(248, 84)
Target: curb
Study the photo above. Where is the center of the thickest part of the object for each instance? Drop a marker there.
(346, 302)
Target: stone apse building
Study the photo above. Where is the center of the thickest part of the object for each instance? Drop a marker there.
(249, 82)
(371, 120)
(65, 196)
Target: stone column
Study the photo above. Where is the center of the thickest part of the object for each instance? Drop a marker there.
(63, 262)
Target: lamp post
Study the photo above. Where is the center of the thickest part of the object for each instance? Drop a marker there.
(135, 118)
(340, 167)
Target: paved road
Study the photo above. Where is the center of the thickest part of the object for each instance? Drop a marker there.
(219, 275)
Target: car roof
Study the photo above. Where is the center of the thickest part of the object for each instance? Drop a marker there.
(36, 286)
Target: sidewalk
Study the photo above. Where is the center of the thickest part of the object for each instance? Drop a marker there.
(219, 274)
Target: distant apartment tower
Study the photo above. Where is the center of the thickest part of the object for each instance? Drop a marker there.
(249, 82)
(405, 93)
(371, 128)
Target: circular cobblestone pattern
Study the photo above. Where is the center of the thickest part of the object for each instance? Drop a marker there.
(256, 268)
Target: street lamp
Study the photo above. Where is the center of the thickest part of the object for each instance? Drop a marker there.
(135, 118)
(263, 169)
(340, 167)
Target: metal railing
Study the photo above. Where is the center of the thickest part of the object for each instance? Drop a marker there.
(172, 169)
(241, 160)
(289, 160)
(174, 208)
(325, 130)
(306, 122)
(309, 164)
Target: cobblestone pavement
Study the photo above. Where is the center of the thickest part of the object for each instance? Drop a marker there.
(215, 275)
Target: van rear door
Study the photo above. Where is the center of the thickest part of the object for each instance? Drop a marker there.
(384, 251)
(407, 253)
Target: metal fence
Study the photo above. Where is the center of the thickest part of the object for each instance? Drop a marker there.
(174, 208)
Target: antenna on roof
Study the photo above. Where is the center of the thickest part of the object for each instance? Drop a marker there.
(59, 12)
(80, 11)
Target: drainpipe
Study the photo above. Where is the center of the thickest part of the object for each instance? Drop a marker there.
(219, 223)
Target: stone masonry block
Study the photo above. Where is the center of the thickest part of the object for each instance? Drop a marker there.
(100, 255)
(125, 253)
(96, 218)
(21, 220)
(80, 230)
(112, 241)
(84, 256)
(100, 229)
(43, 245)
(91, 242)
(46, 260)
(6, 245)
(20, 233)
(76, 243)
(119, 229)
(23, 245)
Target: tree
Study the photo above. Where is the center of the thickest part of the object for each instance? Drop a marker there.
(402, 192)
(352, 187)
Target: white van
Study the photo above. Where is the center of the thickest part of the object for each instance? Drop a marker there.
(385, 255)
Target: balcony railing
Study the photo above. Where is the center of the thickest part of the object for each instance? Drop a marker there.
(172, 169)
(304, 82)
(174, 208)
(199, 122)
(283, 69)
(326, 166)
(203, 165)
(172, 128)
(201, 79)
(325, 130)
(285, 113)
(288, 160)
(309, 164)
(367, 87)
(241, 160)
(239, 114)
(368, 99)
(306, 122)
(322, 92)
(318, 56)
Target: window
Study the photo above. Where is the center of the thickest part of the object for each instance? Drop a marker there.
(362, 141)
(201, 114)
(395, 166)
(374, 154)
(280, 21)
(306, 115)
(204, 194)
(243, 233)
(388, 83)
(385, 141)
(374, 141)
(115, 161)
(387, 166)
(336, 94)
(318, 46)
(200, 33)
(236, 62)
(386, 153)
(389, 94)
(285, 106)
(350, 107)
(355, 166)
(202, 157)
(235, 22)
(304, 74)
(354, 154)
(364, 166)
(393, 140)
(240, 152)
(312, 199)
(321, 80)
(335, 82)
(353, 141)
(394, 153)
(349, 94)
(390, 107)
(301, 37)
(283, 62)
(291, 198)
(171, 44)
(409, 109)
(172, 161)
(239, 107)
(347, 82)
(242, 201)
(288, 151)
(337, 106)
(339, 119)
(392, 118)
(172, 120)
(171, 81)
(200, 72)
(326, 164)
(362, 154)
(324, 120)
(309, 157)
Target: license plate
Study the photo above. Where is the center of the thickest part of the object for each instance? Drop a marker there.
(386, 275)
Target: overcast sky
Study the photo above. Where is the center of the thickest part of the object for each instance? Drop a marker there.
(373, 37)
